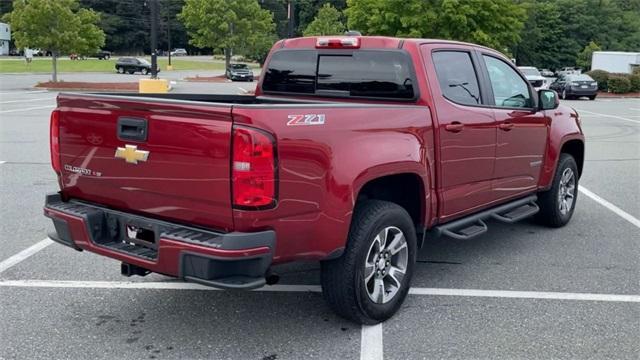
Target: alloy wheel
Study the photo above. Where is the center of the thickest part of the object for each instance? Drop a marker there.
(386, 265)
(566, 191)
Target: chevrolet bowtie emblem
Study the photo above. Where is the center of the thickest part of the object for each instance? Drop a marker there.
(131, 154)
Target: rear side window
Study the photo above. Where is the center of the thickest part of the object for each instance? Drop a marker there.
(457, 77)
(361, 73)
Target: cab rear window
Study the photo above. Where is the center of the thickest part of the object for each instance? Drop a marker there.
(380, 74)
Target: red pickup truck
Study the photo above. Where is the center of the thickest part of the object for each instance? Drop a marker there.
(352, 152)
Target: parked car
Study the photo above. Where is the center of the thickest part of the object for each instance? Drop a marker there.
(546, 73)
(575, 86)
(534, 77)
(239, 72)
(133, 65)
(568, 71)
(179, 52)
(103, 55)
(352, 151)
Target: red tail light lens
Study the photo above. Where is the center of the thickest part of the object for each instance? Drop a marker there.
(253, 168)
(54, 138)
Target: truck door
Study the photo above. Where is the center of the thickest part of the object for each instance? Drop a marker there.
(522, 131)
(466, 130)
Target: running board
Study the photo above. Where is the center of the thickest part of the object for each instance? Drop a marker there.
(474, 225)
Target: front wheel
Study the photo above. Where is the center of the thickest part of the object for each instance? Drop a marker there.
(564, 95)
(371, 279)
(592, 97)
(120, 70)
(145, 71)
(558, 203)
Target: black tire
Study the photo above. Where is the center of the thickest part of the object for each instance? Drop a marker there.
(343, 279)
(145, 71)
(592, 97)
(549, 201)
(120, 70)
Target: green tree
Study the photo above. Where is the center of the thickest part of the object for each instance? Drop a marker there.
(327, 22)
(545, 43)
(240, 26)
(584, 57)
(305, 11)
(495, 23)
(60, 26)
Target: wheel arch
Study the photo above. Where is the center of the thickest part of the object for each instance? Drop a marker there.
(575, 148)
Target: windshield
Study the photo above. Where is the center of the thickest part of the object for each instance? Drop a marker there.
(143, 61)
(530, 71)
(580, 78)
(239, 66)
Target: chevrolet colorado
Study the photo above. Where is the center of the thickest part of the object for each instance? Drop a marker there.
(352, 152)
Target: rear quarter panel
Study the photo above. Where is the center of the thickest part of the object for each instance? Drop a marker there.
(322, 168)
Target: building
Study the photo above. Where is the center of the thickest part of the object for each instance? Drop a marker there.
(5, 38)
(615, 61)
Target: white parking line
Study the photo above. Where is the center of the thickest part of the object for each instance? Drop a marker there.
(609, 116)
(178, 285)
(27, 109)
(22, 255)
(23, 92)
(29, 100)
(525, 294)
(623, 214)
(371, 343)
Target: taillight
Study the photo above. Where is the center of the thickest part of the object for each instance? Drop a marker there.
(54, 138)
(253, 172)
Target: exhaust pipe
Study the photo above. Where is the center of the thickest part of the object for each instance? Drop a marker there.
(129, 270)
(271, 278)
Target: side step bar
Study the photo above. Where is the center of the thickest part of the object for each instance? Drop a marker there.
(474, 225)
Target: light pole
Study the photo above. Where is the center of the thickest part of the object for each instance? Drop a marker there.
(154, 38)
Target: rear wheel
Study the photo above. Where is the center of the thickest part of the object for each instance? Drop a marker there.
(370, 281)
(557, 204)
(592, 97)
(120, 70)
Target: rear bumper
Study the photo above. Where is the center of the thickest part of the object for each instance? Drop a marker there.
(224, 260)
(582, 92)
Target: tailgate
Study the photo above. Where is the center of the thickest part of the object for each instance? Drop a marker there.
(163, 158)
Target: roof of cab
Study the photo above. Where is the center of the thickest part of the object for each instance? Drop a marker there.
(370, 42)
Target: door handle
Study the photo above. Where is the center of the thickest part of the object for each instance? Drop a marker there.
(134, 129)
(454, 127)
(506, 126)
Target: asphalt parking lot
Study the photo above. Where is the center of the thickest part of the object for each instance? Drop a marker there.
(519, 291)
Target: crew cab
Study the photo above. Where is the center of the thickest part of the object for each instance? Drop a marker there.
(353, 152)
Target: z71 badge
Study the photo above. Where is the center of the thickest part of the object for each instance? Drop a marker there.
(306, 119)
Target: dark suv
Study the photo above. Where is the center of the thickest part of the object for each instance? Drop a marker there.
(239, 72)
(103, 55)
(132, 65)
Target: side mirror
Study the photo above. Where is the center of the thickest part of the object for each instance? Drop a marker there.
(548, 99)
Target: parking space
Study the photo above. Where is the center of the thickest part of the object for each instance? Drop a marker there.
(541, 293)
